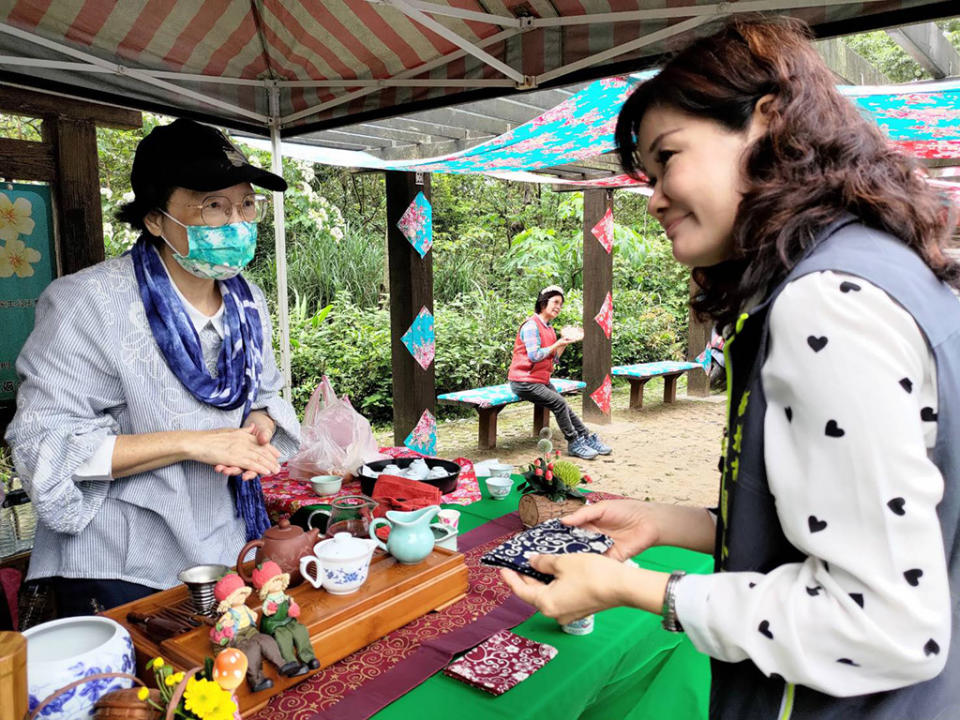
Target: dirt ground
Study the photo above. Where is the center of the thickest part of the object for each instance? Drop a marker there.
(663, 452)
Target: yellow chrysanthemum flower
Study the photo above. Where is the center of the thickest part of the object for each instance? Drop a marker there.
(170, 681)
(143, 693)
(178, 677)
(157, 662)
(224, 710)
(201, 697)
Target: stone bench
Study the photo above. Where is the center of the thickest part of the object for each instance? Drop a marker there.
(641, 373)
(489, 401)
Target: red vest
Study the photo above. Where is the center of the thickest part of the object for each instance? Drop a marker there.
(521, 369)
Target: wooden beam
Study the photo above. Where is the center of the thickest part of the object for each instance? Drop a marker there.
(597, 282)
(411, 288)
(79, 219)
(26, 160)
(18, 101)
(927, 44)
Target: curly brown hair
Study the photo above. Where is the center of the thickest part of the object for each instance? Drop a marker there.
(817, 159)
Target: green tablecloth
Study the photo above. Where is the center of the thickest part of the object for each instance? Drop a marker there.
(627, 668)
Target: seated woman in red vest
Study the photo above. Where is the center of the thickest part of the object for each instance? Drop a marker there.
(534, 351)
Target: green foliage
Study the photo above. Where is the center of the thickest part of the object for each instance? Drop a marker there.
(475, 334)
(567, 472)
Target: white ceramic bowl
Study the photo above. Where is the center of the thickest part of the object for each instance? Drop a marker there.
(500, 470)
(499, 487)
(326, 484)
(61, 651)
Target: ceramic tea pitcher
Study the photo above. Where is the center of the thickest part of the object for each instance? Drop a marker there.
(411, 538)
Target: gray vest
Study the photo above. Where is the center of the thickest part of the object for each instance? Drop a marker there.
(749, 536)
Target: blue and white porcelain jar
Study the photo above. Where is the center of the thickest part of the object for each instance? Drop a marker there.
(62, 651)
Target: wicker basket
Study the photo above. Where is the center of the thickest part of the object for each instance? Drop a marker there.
(125, 705)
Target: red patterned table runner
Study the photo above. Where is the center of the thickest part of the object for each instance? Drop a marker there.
(285, 496)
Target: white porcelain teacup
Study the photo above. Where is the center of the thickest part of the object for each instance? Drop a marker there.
(342, 561)
(499, 487)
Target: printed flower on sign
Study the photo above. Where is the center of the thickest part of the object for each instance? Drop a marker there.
(15, 217)
(16, 257)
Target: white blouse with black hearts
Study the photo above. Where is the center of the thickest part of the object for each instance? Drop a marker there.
(851, 418)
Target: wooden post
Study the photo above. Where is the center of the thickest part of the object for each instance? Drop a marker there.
(698, 335)
(597, 282)
(77, 192)
(13, 676)
(411, 288)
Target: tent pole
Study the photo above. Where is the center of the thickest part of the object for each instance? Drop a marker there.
(280, 242)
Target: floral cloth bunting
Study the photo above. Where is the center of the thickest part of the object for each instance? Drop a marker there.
(423, 438)
(416, 224)
(501, 662)
(601, 396)
(603, 231)
(604, 318)
(420, 339)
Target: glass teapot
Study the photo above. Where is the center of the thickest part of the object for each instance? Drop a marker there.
(350, 513)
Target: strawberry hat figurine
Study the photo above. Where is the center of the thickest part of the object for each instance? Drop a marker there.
(280, 613)
(237, 628)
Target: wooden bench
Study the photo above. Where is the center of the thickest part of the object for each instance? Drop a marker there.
(641, 373)
(489, 401)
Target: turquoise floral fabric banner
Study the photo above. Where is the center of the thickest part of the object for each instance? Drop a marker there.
(416, 224)
(423, 438)
(420, 339)
(27, 266)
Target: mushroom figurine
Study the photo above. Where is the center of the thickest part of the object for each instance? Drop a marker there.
(280, 613)
(229, 669)
(237, 628)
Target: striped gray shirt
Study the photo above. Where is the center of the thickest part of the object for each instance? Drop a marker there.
(90, 369)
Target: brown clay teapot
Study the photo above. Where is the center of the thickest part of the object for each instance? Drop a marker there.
(283, 543)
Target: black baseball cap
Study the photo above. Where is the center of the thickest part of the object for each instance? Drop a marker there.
(196, 157)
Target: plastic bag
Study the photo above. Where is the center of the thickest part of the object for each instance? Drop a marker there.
(335, 438)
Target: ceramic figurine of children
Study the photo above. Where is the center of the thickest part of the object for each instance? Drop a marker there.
(237, 628)
(280, 613)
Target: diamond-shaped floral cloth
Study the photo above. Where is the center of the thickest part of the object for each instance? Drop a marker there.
(601, 396)
(420, 339)
(603, 230)
(604, 318)
(423, 438)
(416, 224)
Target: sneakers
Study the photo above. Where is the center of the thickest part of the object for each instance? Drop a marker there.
(593, 440)
(579, 448)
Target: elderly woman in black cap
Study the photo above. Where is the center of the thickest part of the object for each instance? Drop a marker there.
(149, 400)
(534, 352)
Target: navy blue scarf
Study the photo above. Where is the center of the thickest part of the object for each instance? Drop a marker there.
(238, 367)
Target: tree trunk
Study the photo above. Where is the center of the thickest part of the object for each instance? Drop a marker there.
(535, 509)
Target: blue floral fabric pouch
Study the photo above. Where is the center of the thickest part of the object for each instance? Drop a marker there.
(549, 538)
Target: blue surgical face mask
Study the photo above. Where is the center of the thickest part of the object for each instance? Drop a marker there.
(216, 253)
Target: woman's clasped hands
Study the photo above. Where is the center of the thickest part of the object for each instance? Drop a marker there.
(240, 451)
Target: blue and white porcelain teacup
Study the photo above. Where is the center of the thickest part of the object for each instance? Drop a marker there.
(342, 561)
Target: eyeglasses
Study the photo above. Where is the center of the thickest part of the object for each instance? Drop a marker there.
(217, 210)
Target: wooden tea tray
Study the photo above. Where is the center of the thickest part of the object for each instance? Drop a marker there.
(393, 595)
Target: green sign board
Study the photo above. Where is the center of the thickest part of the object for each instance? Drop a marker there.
(27, 266)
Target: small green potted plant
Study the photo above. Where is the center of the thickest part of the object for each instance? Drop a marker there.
(550, 485)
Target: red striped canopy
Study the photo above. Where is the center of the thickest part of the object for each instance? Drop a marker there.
(316, 64)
